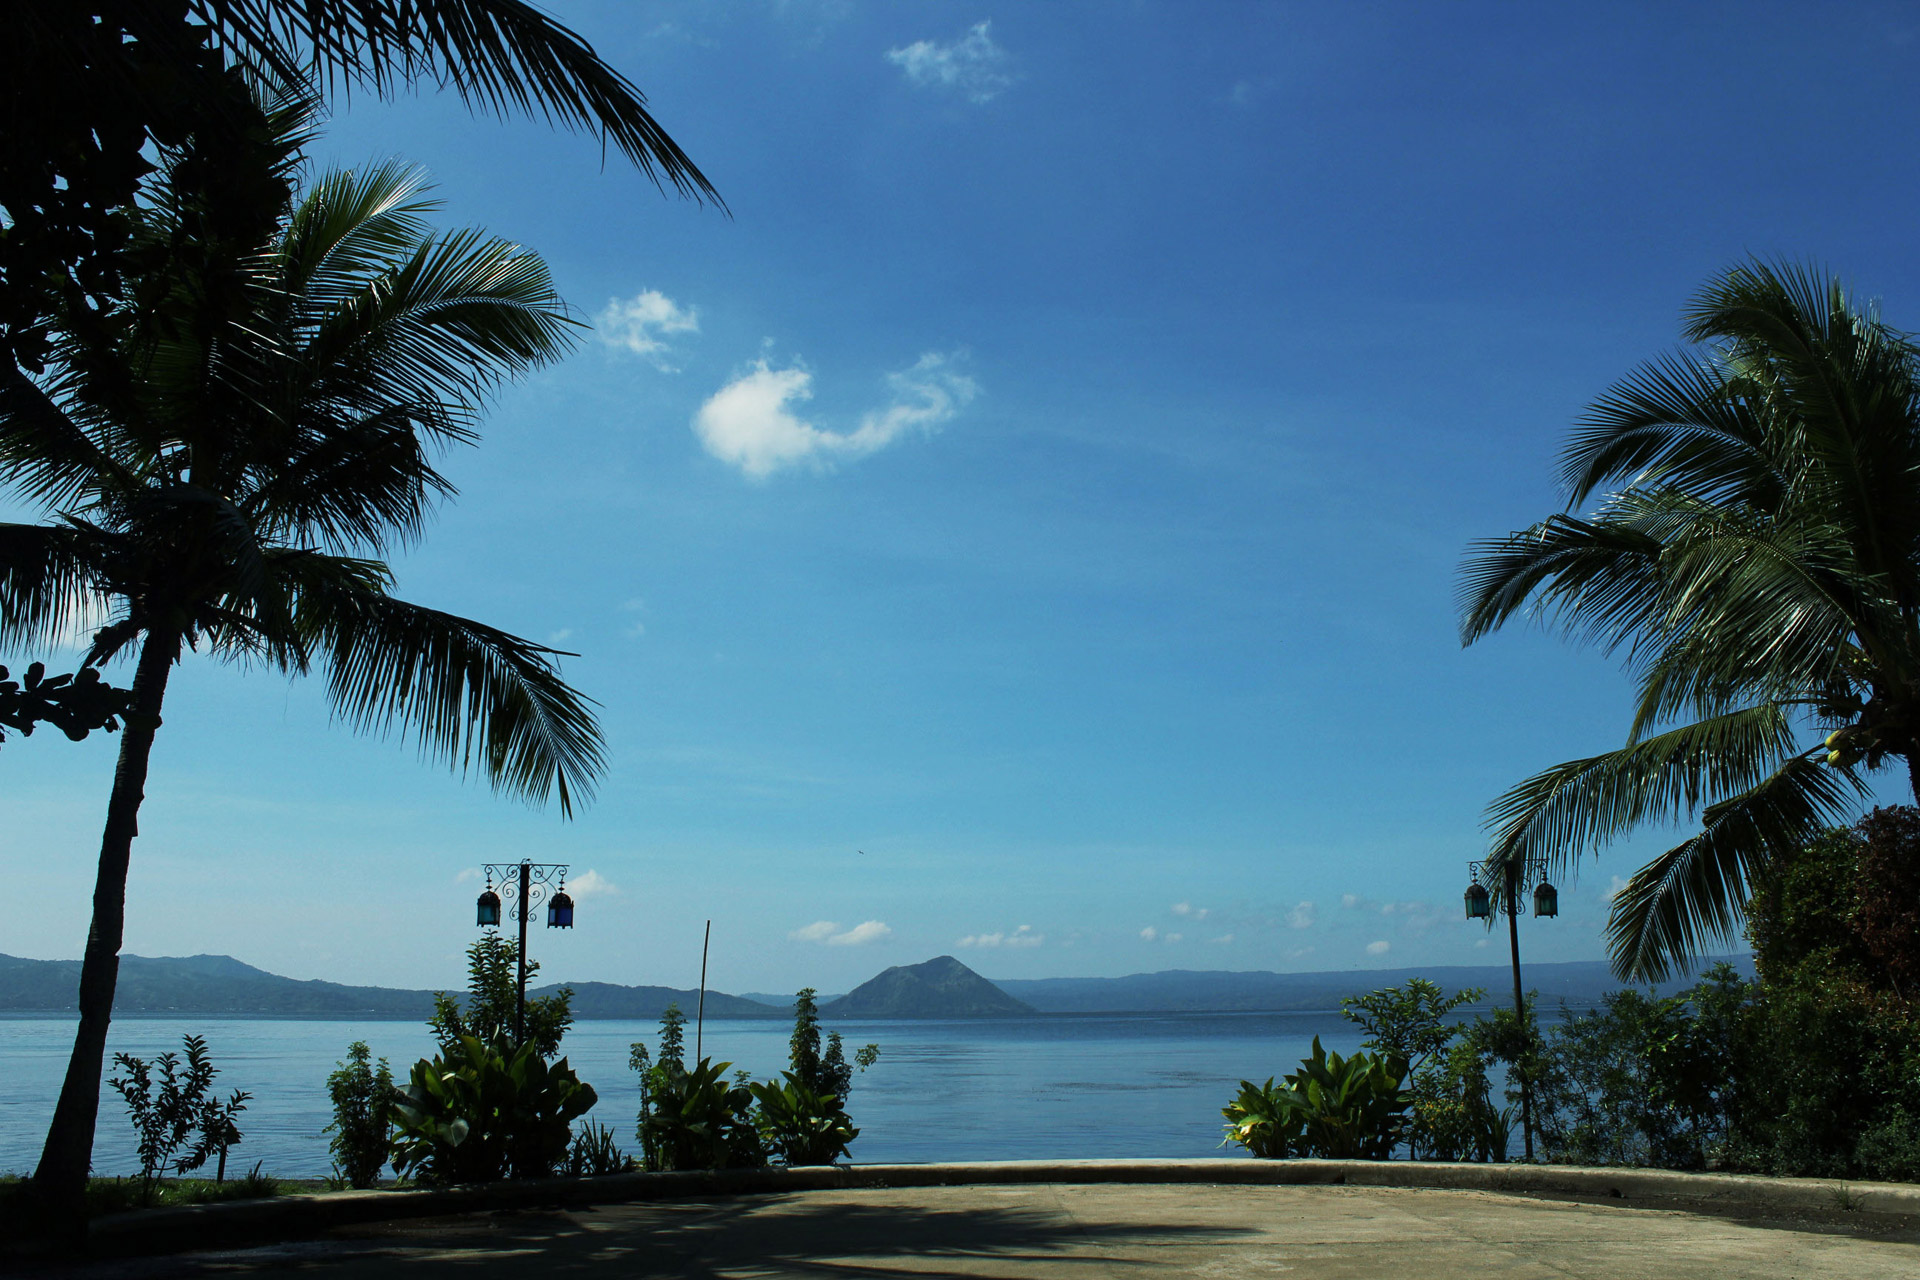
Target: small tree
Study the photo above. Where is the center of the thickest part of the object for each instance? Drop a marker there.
(363, 1096)
(169, 1108)
(486, 1013)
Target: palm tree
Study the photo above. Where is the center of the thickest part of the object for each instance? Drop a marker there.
(88, 86)
(225, 472)
(1758, 569)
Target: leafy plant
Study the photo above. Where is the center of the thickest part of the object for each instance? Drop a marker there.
(170, 1108)
(363, 1096)
(1409, 1022)
(1341, 1108)
(484, 1112)
(1266, 1121)
(801, 1125)
(1453, 1115)
(693, 1118)
(593, 1153)
(493, 989)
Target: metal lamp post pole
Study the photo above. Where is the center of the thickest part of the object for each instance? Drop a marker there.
(522, 908)
(1519, 1002)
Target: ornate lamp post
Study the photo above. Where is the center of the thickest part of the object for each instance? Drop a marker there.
(525, 885)
(1505, 876)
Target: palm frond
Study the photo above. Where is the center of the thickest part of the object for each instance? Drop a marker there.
(47, 575)
(1696, 892)
(465, 692)
(500, 55)
(1564, 812)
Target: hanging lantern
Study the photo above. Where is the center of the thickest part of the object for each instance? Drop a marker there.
(1546, 900)
(1479, 905)
(489, 906)
(560, 911)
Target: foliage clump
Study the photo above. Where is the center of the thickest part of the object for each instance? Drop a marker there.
(493, 986)
(363, 1095)
(171, 1109)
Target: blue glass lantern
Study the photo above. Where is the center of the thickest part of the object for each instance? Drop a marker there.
(489, 910)
(560, 911)
(1479, 904)
(1546, 900)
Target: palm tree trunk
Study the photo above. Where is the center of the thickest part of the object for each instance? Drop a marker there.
(61, 1179)
(1913, 774)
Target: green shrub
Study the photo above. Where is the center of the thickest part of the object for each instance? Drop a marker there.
(693, 1118)
(492, 996)
(800, 1125)
(593, 1153)
(169, 1108)
(1452, 1114)
(1264, 1120)
(1351, 1108)
(483, 1112)
(363, 1096)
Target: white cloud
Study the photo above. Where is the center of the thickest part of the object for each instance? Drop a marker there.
(864, 932)
(750, 423)
(973, 66)
(1225, 939)
(1614, 888)
(1351, 900)
(1024, 936)
(1481, 942)
(1379, 948)
(466, 874)
(1190, 911)
(1149, 933)
(818, 931)
(639, 325)
(1298, 952)
(1302, 916)
(591, 884)
(561, 636)
(1175, 937)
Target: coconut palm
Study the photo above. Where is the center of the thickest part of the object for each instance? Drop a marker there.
(224, 474)
(1755, 559)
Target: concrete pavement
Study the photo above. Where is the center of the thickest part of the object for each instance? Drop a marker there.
(1067, 1231)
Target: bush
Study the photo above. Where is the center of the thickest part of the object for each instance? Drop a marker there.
(694, 1119)
(484, 1112)
(492, 994)
(800, 1125)
(1351, 1108)
(1452, 1115)
(169, 1111)
(363, 1097)
(593, 1154)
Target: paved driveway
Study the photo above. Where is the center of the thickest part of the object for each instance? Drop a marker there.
(1066, 1232)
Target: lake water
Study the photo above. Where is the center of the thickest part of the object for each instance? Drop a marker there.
(1059, 1086)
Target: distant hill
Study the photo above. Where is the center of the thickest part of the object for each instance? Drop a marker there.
(200, 984)
(785, 1003)
(1189, 991)
(223, 985)
(606, 1000)
(938, 988)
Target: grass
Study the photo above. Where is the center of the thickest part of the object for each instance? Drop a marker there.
(116, 1195)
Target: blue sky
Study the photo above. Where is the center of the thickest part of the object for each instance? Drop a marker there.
(1050, 481)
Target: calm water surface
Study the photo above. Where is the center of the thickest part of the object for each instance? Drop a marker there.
(988, 1089)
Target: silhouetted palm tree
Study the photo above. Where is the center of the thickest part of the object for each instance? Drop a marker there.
(225, 472)
(1760, 571)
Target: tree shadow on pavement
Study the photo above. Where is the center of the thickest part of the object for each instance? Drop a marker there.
(819, 1238)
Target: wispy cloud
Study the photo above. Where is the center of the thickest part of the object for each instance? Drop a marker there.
(828, 933)
(972, 66)
(1150, 933)
(466, 874)
(591, 884)
(864, 932)
(1379, 948)
(1302, 916)
(1024, 936)
(750, 423)
(641, 324)
(1188, 911)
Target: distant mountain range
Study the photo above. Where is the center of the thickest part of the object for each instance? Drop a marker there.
(1581, 982)
(938, 988)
